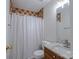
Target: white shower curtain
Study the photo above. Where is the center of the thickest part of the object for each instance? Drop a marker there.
(27, 34)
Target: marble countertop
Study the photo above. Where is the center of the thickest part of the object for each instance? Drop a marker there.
(59, 49)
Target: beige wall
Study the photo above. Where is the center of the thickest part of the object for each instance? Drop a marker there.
(50, 21)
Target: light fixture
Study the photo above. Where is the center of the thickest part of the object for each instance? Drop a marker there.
(62, 2)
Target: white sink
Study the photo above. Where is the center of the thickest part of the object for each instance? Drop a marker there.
(65, 52)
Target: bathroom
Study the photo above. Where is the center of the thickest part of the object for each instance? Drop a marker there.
(39, 29)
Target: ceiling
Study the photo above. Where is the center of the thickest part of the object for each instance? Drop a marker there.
(34, 5)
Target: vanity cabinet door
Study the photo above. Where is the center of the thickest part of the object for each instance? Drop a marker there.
(48, 54)
(58, 57)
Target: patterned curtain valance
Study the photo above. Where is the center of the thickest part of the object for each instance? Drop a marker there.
(26, 12)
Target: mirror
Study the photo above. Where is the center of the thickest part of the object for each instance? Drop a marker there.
(64, 26)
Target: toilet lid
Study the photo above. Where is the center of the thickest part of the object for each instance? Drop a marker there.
(39, 53)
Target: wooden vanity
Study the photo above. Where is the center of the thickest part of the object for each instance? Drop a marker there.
(48, 54)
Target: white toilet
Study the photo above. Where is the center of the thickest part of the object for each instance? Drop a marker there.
(39, 54)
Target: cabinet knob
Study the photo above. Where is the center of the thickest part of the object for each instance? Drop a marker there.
(53, 56)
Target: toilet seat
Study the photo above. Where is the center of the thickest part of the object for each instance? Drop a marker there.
(39, 54)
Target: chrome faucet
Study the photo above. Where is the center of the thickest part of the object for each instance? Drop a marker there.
(66, 44)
